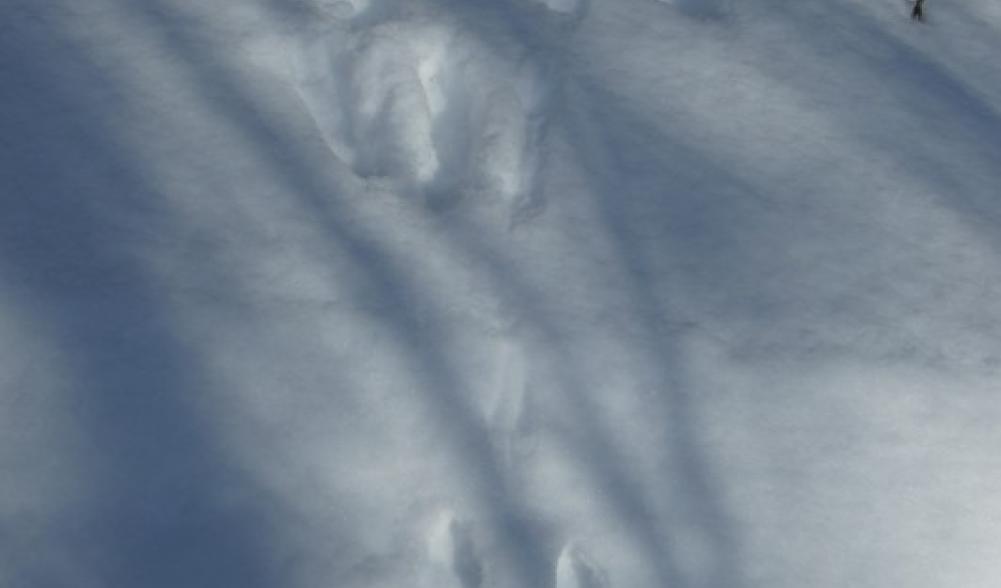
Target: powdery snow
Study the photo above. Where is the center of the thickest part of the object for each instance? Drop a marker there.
(499, 293)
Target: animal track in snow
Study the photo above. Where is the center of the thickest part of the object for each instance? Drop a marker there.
(344, 10)
(336, 8)
(453, 558)
(426, 108)
(507, 414)
(701, 9)
(574, 569)
(569, 7)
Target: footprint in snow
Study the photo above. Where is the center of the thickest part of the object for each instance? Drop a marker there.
(507, 410)
(563, 7)
(701, 9)
(420, 106)
(453, 561)
(574, 569)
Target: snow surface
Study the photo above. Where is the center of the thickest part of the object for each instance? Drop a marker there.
(500, 293)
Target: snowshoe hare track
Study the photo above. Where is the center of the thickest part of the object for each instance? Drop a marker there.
(453, 561)
(573, 9)
(426, 110)
(702, 9)
(507, 414)
(574, 569)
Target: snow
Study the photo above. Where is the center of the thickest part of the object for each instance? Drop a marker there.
(499, 293)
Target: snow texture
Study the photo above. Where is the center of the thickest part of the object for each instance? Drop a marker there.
(499, 294)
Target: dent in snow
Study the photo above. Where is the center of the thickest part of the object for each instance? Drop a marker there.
(420, 106)
(507, 410)
(562, 6)
(453, 561)
(707, 9)
(574, 569)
